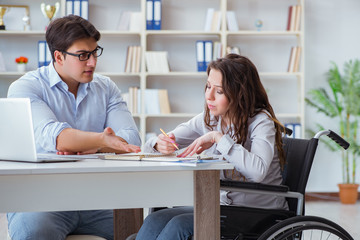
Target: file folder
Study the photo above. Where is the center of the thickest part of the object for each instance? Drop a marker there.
(84, 9)
(208, 53)
(149, 14)
(41, 53)
(157, 15)
(200, 56)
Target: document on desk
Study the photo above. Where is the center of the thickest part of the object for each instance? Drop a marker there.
(159, 157)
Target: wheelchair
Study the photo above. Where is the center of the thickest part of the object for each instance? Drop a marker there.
(245, 223)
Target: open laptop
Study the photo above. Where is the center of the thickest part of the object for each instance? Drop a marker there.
(17, 142)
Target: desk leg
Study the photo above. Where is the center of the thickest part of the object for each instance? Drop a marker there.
(127, 222)
(207, 205)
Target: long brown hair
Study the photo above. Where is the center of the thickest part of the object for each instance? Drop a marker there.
(247, 97)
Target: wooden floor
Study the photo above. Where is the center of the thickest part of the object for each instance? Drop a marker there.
(347, 216)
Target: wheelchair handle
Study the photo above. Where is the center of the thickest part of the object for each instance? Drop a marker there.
(335, 137)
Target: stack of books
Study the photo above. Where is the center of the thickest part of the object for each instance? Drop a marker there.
(232, 24)
(157, 61)
(156, 101)
(294, 61)
(212, 20)
(294, 15)
(130, 21)
(133, 58)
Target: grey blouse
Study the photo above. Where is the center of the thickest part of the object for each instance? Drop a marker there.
(256, 161)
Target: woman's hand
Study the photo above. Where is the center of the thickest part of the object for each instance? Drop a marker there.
(164, 144)
(202, 143)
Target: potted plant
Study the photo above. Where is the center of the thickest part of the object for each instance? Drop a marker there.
(21, 63)
(342, 104)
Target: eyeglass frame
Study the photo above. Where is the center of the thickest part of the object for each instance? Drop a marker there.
(88, 53)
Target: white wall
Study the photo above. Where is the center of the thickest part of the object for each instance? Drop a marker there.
(331, 34)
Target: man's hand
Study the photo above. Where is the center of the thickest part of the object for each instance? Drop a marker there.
(76, 142)
(112, 141)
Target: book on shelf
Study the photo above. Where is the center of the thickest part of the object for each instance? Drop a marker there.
(135, 22)
(157, 15)
(124, 21)
(294, 18)
(157, 61)
(294, 60)
(129, 21)
(231, 21)
(44, 55)
(212, 20)
(77, 7)
(131, 99)
(133, 58)
(156, 101)
(149, 14)
(217, 52)
(200, 56)
(208, 53)
(204, 54)
(2, 64)
(153, 14)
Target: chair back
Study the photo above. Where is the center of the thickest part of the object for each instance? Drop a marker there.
(299, 155)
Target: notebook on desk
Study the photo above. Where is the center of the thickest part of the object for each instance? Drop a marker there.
(17, 142)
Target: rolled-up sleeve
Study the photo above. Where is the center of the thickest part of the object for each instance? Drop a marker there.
(46, 125)
(120, 119)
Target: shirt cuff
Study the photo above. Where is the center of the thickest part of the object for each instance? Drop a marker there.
(225, 144)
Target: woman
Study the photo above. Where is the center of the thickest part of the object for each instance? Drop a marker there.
(240, 125)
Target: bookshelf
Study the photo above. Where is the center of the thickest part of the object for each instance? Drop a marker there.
(182, 25)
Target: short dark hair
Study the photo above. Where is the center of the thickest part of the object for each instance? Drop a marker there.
(63, 32)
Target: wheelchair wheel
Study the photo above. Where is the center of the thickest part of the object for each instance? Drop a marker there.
(305, 228)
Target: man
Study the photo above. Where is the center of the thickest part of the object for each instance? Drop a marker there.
(74, 112)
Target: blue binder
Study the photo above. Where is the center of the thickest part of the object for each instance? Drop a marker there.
(149, 14)
(69, 7)
(157, 15)
(208, 53)
(200, 56)
(84, 9)
(41, 53)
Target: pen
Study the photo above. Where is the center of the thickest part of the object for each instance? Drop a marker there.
(169, 137)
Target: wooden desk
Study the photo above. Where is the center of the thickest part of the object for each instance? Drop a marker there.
(98, 184)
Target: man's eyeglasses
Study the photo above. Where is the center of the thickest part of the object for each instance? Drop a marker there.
(86, 55)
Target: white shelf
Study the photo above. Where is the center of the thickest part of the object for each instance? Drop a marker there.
(265, 33)
(179, 38)
(181, 33)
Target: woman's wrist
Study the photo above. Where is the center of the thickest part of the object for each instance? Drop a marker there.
(216, 137)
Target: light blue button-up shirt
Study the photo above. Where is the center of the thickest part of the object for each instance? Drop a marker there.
(98, 105)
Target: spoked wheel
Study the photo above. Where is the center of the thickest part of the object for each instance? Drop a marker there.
(306, 228)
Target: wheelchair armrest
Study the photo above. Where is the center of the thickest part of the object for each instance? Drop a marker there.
(253, 185)
(259, 188)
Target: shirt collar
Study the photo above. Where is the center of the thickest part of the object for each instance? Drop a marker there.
(54, 78)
